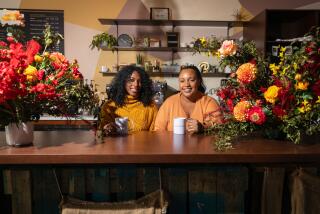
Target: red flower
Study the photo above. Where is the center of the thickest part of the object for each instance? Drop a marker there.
(60, 74)
(230, 105)
(33, 48)
(316, 88)
(76, 74)
(256, 115)
(10, 39)
(40, 74)
(3, 44)
(278, 111)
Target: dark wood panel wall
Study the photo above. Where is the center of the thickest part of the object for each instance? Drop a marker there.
(192, 189)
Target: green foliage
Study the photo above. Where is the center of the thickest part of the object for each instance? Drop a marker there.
(208, 45)
(49, 38)
(102, 39)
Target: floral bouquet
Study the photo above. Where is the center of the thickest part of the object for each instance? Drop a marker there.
(34, 81)
(281, 100)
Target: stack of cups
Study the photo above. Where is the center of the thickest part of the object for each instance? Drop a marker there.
(179, 125)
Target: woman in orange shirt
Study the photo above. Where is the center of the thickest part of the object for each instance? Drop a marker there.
(190, 102)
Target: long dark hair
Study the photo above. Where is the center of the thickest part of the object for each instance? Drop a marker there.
(202, 87)
(118, 93)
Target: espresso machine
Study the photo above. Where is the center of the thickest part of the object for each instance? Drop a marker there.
(159, 88)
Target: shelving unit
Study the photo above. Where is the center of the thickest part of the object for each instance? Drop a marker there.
(270, 25)
(173, 23)
(165, 49)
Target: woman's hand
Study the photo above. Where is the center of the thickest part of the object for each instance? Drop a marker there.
(211, 118)
(193, 126)
(110, 129)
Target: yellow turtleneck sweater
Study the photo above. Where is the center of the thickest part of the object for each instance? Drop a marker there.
(140, 117)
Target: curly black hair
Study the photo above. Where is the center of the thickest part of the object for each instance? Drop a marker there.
(117, 91)
(202, 87)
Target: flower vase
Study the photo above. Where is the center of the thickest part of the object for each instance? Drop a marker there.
(19, 134)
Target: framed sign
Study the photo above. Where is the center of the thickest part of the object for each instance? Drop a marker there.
(159, 13)
(35, 21)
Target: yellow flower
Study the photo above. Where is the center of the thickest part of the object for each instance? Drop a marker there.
(295, 66)
(281, 55)
(274, 68)
(203, 40)
(31, 73)
(318, 101)
(38, 58)
(304, 108)
(297, 77)
(240, 111)
(271, 94)
(46, 54)
(284, 70)
(301, 109)
(305, 102)
(302, 86)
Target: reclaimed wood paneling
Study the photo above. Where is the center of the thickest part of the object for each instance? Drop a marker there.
(98, 184)
(45, 192)
(127, 183)
(203, 190)
(178, 189)
(272, 190)
(21, 192)
(232, 184)
(192, 189)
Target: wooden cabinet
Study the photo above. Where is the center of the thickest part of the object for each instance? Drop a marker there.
(274, 27)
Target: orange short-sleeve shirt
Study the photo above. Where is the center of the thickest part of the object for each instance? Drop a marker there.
(172, 108)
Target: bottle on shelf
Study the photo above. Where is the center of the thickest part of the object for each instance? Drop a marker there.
(156, 67)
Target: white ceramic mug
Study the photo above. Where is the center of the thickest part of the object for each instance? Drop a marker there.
(104, 69)
(122, 125)
(179, 125)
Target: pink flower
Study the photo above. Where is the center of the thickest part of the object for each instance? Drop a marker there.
(256, 115)
(228, 48)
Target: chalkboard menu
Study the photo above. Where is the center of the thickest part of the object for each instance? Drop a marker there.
(35, 21)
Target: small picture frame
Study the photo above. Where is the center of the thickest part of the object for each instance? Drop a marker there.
(173, 40)
(274, 50)
(159, 13)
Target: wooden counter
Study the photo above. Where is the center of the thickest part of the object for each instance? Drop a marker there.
(79, 147)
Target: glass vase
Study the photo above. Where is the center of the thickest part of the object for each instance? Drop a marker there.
(19, 134)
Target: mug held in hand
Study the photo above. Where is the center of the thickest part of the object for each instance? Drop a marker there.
(122, 125)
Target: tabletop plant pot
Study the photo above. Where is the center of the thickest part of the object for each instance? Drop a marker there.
(19, 134)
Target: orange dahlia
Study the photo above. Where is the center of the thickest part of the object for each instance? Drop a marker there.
(246, 73)
(240, 111)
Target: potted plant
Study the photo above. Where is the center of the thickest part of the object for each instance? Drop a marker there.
(34, 82)
(103, 40)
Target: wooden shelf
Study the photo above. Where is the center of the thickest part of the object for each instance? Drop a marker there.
(172, 74)
(203, 23)
(154, 49)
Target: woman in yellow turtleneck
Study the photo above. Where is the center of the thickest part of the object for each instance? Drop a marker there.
(130, 95)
